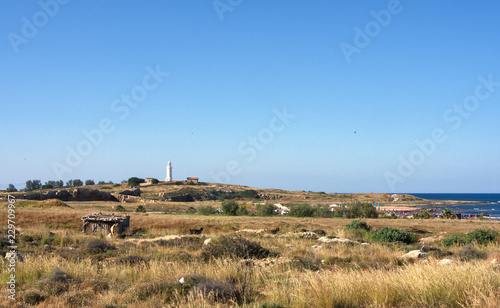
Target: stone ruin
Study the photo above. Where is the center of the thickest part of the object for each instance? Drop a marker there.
(105, 223)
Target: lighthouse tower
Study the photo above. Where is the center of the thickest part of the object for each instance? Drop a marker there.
(169, 172)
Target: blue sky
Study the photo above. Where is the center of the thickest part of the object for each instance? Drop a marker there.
(258, 93)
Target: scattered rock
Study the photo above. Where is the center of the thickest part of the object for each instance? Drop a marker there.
(309, 235)
(336, 240)
(414, 254)
(317, 247)
(251, 230)
(445, 262)
(208, 241)
(495, 262)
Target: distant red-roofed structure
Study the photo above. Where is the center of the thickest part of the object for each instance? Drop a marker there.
(192, 180)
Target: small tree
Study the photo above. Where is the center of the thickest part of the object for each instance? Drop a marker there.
(77, 182)
(135, 181)
(155, 181)
(230, 208)
(11, 188)
(206, 210)
(447, 213)
(266, 210)
(47, 186)
(101, 183)
(89, 182)
(302, 210)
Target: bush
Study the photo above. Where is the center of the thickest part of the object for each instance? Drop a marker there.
(89, 182)
(206, 210)
(234, 247)
(302, 210)
(323, 212)
(155, 181)
(358, 225)
(33, 298)
(479, 236)
(361, 210)
(242, 211)
(266, 210)
(250, 194)
(422, 215)
(131, 260)
(389, 234)
(482, 236)
(97, 246)
(469, 253)
(447, 213)
(230, 208)
(120, 208)
(134, 181)
(455, 239)
(140, 209)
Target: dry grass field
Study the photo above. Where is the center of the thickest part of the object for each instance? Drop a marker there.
(158, 263)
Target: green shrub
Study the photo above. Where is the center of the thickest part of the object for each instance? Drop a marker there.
(234, 247)
(135, 181)
(358, 225)
(302, 210)
(422, 215)
(266, 210)
(140, 209)
(242, 211)
(323, 212)
(120, 208)
(447, 213)
(155, 181)
(206, 210)
(389, 234)
(455, 239)
(359, 210)
(482, 236)
(250, 194)
(479, 236)
(230, 208)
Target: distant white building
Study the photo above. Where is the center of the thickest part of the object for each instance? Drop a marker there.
(281, 209)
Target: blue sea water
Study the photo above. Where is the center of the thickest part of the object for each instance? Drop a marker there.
(489, 203)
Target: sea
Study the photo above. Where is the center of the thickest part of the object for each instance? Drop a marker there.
(489, 203)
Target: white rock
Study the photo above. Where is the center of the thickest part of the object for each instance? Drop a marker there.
(445, 261)
(414, 254)
(208, 241)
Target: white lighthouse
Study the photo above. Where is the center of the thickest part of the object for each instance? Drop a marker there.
(169, 172)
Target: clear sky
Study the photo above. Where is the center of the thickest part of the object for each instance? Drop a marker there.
(334, 96)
